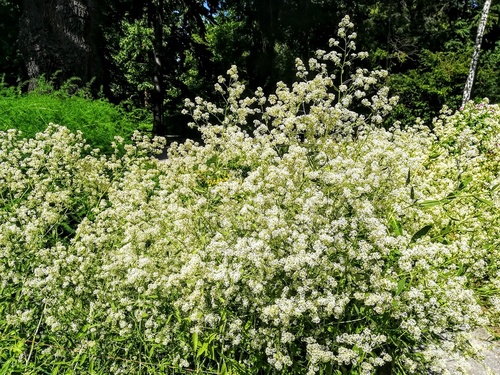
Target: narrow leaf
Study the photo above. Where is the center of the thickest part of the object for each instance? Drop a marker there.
(195, 340)
(485, 201)
(445, 230)
(67, 228)
(6, 367)
(451, 196)
(464, 183)
(396, 226)
(422, 232)
(202, 350)
(401, 286)
(178, 315)
(83, 358)
(223, 369)
(248, 324)
(430, 203)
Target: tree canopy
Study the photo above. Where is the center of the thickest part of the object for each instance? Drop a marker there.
(155, 54)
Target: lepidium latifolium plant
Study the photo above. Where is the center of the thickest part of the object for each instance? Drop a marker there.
(302, 237)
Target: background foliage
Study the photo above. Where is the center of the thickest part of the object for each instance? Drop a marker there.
(182, 46)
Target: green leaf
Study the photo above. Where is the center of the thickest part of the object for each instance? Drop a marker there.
(202, 350)
(212, 161)
(394, 254)
(395, 226)
(67, 228)
(451, 196)
(83, 357)
(412, 193)
(445, 230)
(248, 324)
(6, 366)
(151, 352)
(359, 309)
(223, 369)
(464, 183)
(434, 155)
(422, 232)
(485, 201)
(430, 203)
(401, 286)
(408, 178)
(195, 340)
(178, 315)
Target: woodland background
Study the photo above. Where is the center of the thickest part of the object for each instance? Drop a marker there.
(153, 54)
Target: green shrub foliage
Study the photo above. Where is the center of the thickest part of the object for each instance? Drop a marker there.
(72, 107)
(320, 243)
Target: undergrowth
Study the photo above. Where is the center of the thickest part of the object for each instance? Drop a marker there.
(70, 106)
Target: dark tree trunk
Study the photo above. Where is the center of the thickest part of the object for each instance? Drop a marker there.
(263, 18)
(58, 35)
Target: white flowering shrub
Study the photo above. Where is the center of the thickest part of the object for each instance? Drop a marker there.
(318, 243)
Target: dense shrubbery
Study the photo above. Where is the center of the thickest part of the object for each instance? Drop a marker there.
(439, 80)
(69, 106)
(321, 243)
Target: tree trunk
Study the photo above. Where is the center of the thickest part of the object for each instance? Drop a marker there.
(58, 36)
(475, 55)
(263, 20)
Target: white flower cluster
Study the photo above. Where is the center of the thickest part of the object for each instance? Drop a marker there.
(317, 241)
